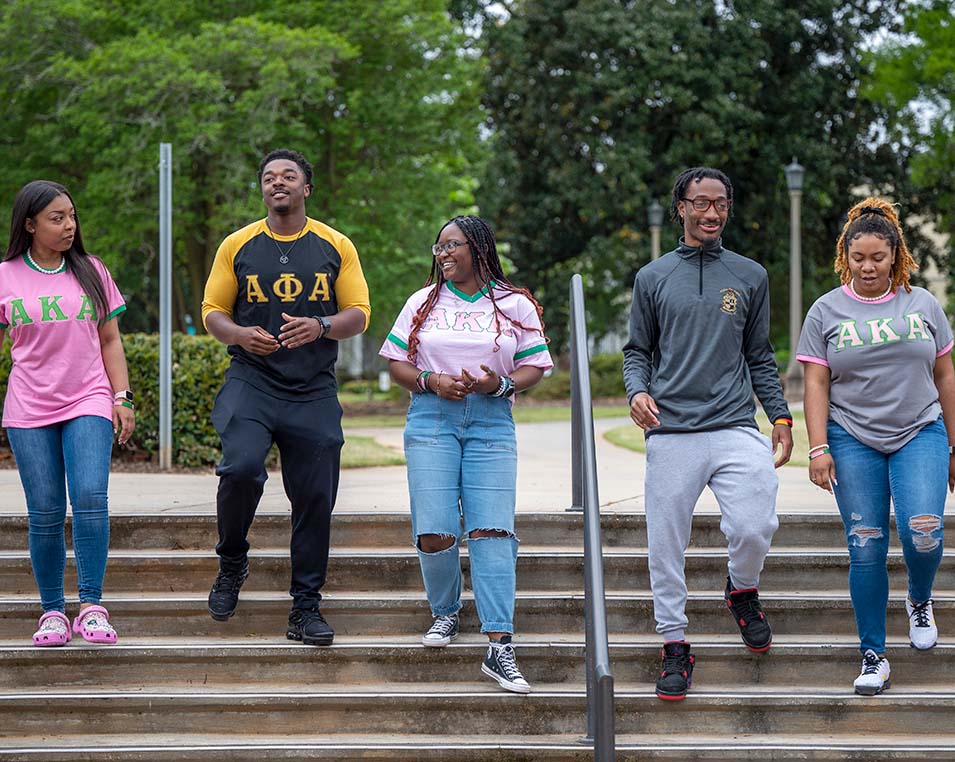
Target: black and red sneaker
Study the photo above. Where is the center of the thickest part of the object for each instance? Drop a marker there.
(677, 673)
(748, 613)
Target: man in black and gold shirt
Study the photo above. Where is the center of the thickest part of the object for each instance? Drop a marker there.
(281, 293)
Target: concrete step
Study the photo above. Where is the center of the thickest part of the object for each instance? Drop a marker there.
(154, 664)
(169, 747)
(545, 712)
(363, 569)
(377, 530)
(388, 613)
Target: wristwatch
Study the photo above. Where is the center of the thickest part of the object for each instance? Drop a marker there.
(126, 394)
(324, 323)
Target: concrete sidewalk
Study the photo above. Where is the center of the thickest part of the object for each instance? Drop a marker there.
(544, 481)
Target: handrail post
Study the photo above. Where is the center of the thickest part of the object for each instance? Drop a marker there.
(600, 700)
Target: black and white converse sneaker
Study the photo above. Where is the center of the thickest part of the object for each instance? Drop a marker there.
(442, 632)
(501, 664)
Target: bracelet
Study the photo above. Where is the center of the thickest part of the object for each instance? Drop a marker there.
(783, 421)
(422, 381)
(124, 403)
(823, 451)
(501, 387)
(818, 447)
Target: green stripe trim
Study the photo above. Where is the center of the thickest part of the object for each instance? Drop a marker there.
(530, 351)
(4, 326)
(114, 313)
(395, 340)
(470, 297)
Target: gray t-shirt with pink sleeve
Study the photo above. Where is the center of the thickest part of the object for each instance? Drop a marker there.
(881, 356)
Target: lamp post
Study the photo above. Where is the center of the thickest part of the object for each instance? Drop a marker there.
(795, 377)
(655, 218)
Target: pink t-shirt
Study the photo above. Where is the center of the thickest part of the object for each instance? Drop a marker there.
(58, 371)
(460, 332)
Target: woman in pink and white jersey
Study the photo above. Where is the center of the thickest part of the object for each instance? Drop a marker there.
(464, 345)
(67, 396)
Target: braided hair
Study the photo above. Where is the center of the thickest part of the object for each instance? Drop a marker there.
(876, 216)
(692, 175)
(487, 268)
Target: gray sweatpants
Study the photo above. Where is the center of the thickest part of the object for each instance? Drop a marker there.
(737, 464)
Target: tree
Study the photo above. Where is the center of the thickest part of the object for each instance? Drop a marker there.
(914, 77)
(382, 97)
(594, 106)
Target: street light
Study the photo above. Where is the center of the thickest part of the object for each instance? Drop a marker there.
(795, 377)
(655, 218)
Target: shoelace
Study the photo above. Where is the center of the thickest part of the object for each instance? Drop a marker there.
(675, 664)
(226, 580)
(508, 662)
(870, 664)
(443, 625)
(920, 612)
(749, 611)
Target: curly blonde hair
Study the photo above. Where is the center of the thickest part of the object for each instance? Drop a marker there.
(876, 216)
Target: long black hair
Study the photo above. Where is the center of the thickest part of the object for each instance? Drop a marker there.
(32, 199)
(487, 267)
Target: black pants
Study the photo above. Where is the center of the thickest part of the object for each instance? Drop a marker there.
(309, 438)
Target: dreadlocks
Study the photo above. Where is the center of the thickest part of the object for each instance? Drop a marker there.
(876, 216)
(487, 269)
(693, 175)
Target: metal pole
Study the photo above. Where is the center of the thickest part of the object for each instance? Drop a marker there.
(165, 306)
(654, 242)
(795, 377)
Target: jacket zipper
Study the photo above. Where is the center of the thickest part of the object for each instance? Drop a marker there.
(701, 272)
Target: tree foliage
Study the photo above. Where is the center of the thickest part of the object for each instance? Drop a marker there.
(596, 105)
(914, 77)
(381, 97)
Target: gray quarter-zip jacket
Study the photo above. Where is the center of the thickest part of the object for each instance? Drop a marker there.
(699, 340)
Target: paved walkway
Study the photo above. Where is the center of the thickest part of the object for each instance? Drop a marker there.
(544, 481)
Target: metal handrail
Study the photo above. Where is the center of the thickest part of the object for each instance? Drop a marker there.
(600, 704)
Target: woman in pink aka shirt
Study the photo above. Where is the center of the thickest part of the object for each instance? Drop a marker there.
(464, 345)
(67, 395)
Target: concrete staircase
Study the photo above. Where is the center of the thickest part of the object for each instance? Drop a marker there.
(181, 687)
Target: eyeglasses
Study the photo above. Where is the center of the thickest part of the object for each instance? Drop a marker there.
(721, 205)
(449, 247)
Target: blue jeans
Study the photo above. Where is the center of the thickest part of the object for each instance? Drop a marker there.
(462, 463)
(74, 453)
(915, 477)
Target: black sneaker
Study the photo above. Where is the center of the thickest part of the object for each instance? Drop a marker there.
(442, 632)
(224, 596)
(501, 665)
(749, 617)
(309, 626)
(676, 676)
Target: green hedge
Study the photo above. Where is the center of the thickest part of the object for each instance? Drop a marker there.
(606, 380)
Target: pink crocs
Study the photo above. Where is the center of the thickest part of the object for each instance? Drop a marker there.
(53, 630)
(93, 624)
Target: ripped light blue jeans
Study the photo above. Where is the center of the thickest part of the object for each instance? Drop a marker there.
(915, 477)
(462, 466)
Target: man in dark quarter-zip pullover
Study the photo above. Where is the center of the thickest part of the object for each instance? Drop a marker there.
(698, 350)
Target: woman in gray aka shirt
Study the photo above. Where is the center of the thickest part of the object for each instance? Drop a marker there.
(879, 387)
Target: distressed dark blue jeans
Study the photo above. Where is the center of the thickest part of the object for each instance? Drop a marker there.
(915, 478)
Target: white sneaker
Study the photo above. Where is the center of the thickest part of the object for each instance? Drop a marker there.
(875, 674)
(442, 632)
(923, 634)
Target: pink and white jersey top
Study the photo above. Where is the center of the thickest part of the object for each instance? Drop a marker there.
(58, 371)
(461, 332)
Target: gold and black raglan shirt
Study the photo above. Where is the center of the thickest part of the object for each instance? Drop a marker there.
(323, 276)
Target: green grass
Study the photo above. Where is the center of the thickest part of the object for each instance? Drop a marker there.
(365, 452)
(631, 437)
